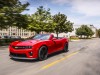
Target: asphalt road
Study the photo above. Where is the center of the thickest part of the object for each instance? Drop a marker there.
(83, 58)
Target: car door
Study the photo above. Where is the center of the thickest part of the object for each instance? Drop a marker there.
(58, 44)
(51, 46)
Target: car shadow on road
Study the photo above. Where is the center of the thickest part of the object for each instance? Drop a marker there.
(56, 54)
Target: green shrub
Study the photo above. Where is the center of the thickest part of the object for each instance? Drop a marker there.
(74, 38)
(8, 41)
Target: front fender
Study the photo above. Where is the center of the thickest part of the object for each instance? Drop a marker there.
(37, 46)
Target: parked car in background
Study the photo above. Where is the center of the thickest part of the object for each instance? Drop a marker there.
(15, 37)
(8, 37)
(5, 37)
(40, 46)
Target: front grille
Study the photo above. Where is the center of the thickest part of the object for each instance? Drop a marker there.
(17, 55)
(22, 47)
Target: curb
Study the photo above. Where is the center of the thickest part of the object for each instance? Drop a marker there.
(75, 40)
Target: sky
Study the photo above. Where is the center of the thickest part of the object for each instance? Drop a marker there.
(77, 11)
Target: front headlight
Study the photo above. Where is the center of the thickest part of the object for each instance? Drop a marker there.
(22, 47)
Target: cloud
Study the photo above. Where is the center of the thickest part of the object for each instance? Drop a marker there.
(84, 20)
(86, 7)
(89, 7)
(60, 1)
(30, 11)
(78, 11)
(24, 1)
(82, 11)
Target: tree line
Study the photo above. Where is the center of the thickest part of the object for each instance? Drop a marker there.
(40, 21)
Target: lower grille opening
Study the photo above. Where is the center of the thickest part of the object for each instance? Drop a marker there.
(30, 53)
(17, 55)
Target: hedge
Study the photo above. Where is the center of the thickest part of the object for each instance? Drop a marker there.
(4, 42)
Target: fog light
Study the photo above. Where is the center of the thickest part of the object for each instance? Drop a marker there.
(30, 53)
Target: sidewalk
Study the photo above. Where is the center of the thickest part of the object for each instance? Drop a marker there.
(74, 40)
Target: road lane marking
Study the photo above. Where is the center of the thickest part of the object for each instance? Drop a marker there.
(57, 61)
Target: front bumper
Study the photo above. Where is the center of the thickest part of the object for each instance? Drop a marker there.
(23, 53)
(14, 57)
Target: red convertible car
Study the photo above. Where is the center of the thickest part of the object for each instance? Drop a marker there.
(38, 47)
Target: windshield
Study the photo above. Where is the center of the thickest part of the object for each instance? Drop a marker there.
(42, 36)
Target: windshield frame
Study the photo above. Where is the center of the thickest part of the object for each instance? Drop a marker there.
(41, 37)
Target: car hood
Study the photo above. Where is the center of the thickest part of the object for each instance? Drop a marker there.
(25, 43)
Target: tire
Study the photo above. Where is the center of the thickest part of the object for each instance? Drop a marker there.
(43, 53)
(65, 47)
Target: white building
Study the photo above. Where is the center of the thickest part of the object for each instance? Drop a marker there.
(15, 31)
(94, 29)
(73, 33)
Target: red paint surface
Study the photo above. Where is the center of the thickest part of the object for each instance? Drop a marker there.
(52, 44)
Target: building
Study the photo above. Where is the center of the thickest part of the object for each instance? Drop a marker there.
(73, 33)
(15, 31)
(94, 29)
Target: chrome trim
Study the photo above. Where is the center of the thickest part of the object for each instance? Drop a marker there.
(21, 57)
